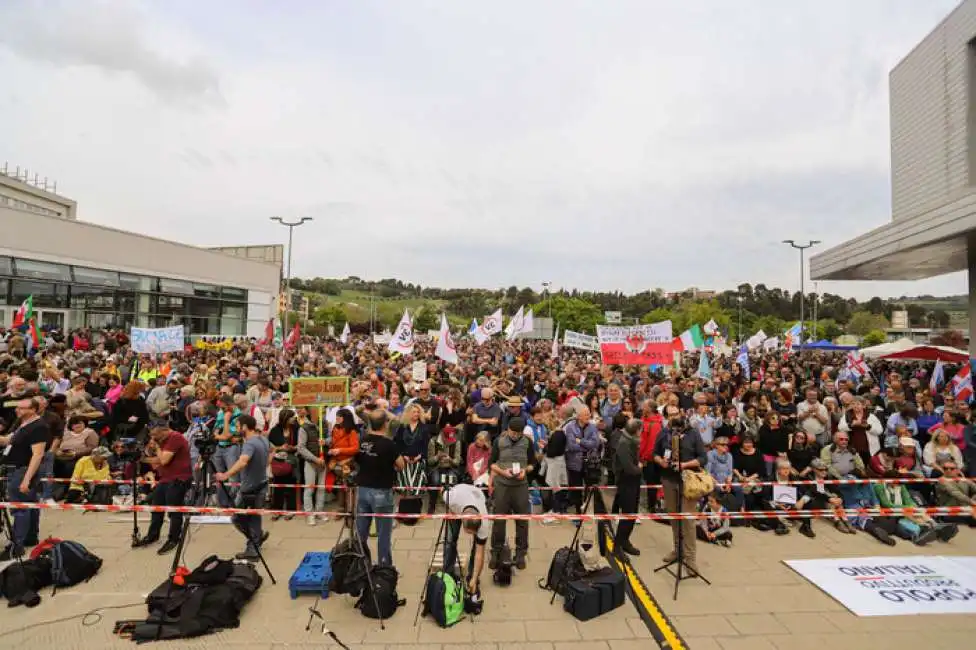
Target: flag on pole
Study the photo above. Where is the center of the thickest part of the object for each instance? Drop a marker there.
(962, 384)
(528, 324)
(515, 325)
(445, 343)
(402, 339)
(25, 312)
(279, 336)
(492, 325)
(938, 377)
(33, 341)
(691, 339)
(293, 336)
(792, 337)
(711, 327)
(474, 327)
(344, 337)
(704, 370)
(555, 344)
(268, 333)
(856, 365)
(743, 361)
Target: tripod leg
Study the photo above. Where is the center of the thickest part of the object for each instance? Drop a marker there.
(573, 548)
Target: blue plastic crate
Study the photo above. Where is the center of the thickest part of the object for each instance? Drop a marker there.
(312, 575)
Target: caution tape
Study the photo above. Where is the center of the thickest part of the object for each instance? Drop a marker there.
(653, 516)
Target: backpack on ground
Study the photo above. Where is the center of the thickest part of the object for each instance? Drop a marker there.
(444, 598)
(383, 586)
(566, 566)
(72, 563)
(20, 581)
(348, 568)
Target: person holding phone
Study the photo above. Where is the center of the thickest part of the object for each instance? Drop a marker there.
(512, 459)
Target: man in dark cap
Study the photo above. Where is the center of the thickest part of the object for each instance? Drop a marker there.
(513, 457)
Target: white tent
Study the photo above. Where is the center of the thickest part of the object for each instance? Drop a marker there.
(876, 351)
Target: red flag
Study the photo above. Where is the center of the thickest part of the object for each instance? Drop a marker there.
(268, 333)
(292, 339)
(32, 331)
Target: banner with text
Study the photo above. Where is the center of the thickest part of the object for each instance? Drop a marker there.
(155, 340)
(579, 341)
(318, 391)
(637, 345)
(892, 586)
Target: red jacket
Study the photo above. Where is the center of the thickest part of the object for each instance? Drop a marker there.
(652, 427)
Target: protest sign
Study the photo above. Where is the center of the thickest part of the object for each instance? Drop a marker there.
(892, 586)
(419, 371)
(314, 391)
(579, 341)
(156, 340)
(643, 345)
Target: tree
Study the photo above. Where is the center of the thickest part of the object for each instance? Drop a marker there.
(329, 315)
(572, 313)
(951, 338)
(426, 318)
(827, 328)
(658, 315)
(862, 322)
(874, 337)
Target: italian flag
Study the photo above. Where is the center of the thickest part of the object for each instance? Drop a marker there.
(25, 313)
(690, 339)
(33, 340)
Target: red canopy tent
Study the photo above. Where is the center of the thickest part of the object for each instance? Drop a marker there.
(930, 353)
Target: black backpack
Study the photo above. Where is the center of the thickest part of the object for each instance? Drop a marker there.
(72, 563)
(348, 568)
(566, 566)
(20, 581)
(386, 602)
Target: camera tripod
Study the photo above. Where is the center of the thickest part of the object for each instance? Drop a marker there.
(678, 567)
(207, 467)
(455, 526)
(6, 525)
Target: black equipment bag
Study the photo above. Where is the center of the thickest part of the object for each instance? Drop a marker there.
(72, 563)
(20, 581)
(385, 604)
(348, 567)
(610, 584)
(410, 506)
(582, 600)
(565, 567)
(505, 567)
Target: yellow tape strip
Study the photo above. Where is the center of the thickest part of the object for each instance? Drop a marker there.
(666, 636)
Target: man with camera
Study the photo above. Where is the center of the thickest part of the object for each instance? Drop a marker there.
(169, 455)
(252, 465)
(677, 449)
(467, 500)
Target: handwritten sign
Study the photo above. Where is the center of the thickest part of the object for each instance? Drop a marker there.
(145, 340)
(315, 391)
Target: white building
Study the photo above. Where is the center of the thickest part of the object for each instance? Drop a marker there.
(83, 274)
(933, 169)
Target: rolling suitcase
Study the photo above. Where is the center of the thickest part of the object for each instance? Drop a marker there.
(582, 600)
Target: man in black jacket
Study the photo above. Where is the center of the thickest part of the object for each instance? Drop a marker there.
(628, 471)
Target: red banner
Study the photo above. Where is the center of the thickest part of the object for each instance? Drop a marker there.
(651, 354)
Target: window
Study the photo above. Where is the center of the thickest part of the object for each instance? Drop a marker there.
(92, 298)
(96, 276)
(6, 266)
(171, 305)
(46, 294)
(232, 311)
(206, 291)
(125, 301)
(138, 282)
(175, 286)
(233, 293)
(42, 270)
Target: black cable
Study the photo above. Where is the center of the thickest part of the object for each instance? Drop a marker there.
(89, 618)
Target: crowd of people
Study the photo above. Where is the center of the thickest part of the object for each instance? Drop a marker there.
(509, 427)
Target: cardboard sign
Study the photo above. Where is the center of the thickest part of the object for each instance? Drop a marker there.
(314, 391)
(419, 371)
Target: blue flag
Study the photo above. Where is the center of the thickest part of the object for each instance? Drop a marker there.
(743, 360)
(704, 370)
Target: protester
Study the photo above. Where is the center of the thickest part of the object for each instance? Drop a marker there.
(251, 465)
(379, 461)
(512, 459)
(169, 455)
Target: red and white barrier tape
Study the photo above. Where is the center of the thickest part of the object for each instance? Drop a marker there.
(542, 488)
(764, 514)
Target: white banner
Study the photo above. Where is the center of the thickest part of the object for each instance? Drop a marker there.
(382, 339)
(653, 333)
(892, 586)
(579, 341)
(612, 317)
(156, 340)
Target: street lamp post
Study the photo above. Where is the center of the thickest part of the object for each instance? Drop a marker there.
(739, 328)
(548, 288)
(291, 225)
(801, 248)
(816, 303)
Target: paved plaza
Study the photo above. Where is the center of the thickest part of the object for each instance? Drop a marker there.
(755, 602)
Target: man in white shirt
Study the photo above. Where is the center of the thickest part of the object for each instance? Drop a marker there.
(813, 418)
(466, 500)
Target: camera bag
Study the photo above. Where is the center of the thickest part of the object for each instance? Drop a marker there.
(582, 600)
(610, 584)
(565, 567)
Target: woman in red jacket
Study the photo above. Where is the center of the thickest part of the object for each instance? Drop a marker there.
(653, 423)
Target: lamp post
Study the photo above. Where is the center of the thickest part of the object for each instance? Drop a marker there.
(739, 328)
(801, 248)
(816, 303)
(547, 287)
(291, 225)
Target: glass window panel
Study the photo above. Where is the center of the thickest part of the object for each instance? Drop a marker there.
(232, 311)
(171, 305)
(231, 327)
(96, 276)
(4, 293)
(46, 294)
(143, 320)
(234, 293)
(125, 301)
(6, 265)
(42, 270)
(100, 320)
(92, 298)
(204, 307)
(206, 290)
(140, 282)
(175, 286)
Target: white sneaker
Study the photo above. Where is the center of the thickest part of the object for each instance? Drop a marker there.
(311, 520)
(50, 502)
(548, 520)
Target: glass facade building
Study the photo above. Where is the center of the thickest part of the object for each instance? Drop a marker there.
(68, 296)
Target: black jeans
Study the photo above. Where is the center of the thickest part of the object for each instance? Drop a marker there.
(511, 500)
(168, 494)
(451, 536)
(250, 525)
(628, 502)
(576, 496)
(651, 477)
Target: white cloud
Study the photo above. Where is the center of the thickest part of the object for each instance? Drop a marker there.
(599, 146)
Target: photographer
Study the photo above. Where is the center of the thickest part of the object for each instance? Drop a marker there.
(253, 468)
(161, 401)
(467, 500)
(228, 443)
(169, 455)
(690, 455)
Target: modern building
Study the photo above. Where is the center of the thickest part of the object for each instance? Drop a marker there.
(933, 169)
(82, 274)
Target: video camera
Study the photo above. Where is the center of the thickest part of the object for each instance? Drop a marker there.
(131, 450)
(203, 436)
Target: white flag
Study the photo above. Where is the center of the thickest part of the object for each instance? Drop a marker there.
(344, 337)
(402, 340)
(491, 326)
(710, 328)
(515, 325)
(445, 343)
(555, 344)
(528, 324)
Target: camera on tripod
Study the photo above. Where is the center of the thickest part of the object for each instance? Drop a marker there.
(205, 442)
(131, 451)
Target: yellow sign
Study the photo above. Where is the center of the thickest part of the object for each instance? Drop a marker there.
(220, 346)
(314, 391)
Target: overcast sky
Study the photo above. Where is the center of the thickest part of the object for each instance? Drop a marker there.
(601, 145)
